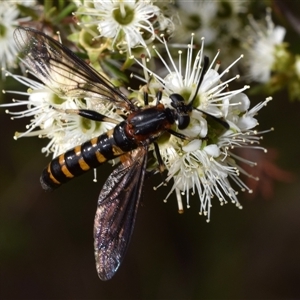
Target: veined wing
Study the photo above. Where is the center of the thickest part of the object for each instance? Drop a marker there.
(115, 216)
(62, 71)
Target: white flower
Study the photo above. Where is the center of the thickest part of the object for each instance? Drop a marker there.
(220, 121)
(128, 24)
(9, 19)
(49, 118)
(199, 16)
(213, 20)
(264, 43)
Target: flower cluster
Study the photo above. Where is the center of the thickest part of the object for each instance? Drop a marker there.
(125, 25)
(141, 35)
(221, 121)
(47, 107)
(269, 61)
(265, 47)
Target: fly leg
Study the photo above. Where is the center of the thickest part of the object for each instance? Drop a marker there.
(218, 120)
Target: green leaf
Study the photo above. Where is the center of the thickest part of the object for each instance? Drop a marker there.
(114, 71)
(64, 13)
(28, 11)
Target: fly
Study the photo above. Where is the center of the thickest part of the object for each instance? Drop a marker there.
(119, 198)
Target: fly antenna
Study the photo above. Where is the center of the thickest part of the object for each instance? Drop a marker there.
(203, 72)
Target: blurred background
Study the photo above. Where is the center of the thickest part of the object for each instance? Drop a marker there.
(46, 239)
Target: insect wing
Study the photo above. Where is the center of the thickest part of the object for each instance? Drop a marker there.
(116, 212)
(62, 71)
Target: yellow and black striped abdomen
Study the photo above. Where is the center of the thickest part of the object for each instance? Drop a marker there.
(86, 156)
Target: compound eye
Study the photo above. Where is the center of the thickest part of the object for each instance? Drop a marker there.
(183, 121)
(175, 98)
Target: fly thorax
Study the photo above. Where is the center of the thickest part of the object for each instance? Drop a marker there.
(149, 122)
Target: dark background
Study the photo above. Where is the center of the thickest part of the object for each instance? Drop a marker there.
(47, 244)
(46, 240)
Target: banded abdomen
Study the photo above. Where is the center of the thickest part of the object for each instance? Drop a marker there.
(86, 156)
